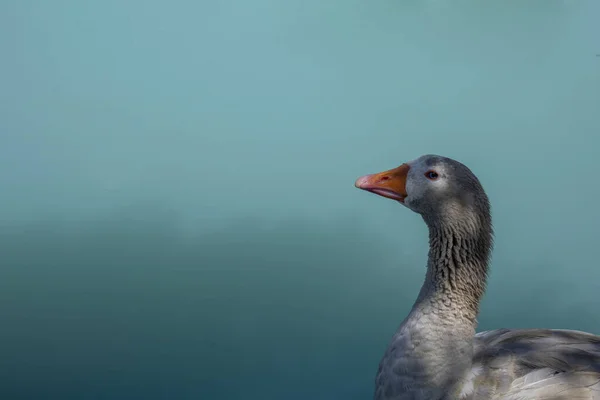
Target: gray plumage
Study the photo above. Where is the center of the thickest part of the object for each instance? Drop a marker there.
(435, 353)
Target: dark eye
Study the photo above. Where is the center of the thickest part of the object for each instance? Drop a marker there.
(432, 175)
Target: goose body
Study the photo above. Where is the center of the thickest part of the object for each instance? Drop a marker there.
(435, 354)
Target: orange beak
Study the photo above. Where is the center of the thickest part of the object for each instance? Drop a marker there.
(390, 184)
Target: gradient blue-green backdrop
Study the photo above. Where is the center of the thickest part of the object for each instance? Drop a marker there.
(177, 212)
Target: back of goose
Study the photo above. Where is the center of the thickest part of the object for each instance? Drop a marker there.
(542, 364)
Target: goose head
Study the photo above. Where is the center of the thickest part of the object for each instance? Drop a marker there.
(441, 189)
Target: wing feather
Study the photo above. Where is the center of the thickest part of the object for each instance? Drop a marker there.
(544, 364)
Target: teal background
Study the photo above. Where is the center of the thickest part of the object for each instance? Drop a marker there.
(177, 212)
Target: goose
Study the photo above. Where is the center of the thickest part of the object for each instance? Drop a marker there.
(436, 353)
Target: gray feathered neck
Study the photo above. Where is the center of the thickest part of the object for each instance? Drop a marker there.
(460, 247)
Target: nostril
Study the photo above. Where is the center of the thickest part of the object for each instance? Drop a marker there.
(384, 178)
